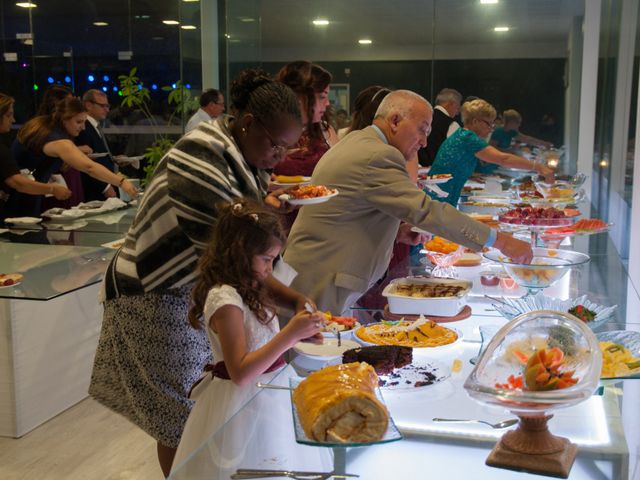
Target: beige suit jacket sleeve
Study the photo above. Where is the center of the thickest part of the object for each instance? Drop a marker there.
(386, 184)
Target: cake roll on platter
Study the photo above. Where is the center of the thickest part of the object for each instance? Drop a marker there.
(339, 404)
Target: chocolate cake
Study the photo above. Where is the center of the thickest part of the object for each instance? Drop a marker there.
(383, 358)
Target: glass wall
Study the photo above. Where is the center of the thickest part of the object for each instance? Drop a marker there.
(89, 45)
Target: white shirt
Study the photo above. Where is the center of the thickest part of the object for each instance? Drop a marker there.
(454, 125)
(199, 116)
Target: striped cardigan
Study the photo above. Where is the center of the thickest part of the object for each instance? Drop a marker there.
(176, 213)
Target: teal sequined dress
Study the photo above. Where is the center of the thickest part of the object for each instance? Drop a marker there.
(457, 156)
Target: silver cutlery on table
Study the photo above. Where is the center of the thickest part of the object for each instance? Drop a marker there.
(502, 424)
(272, 387)
(246, 473)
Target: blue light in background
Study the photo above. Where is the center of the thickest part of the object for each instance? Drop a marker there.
(173, 85)
(115, 89)
(67, 79)
(50, 80)
(154, 87)
(105, 78)
(104, 89)
(91, 78)
(188, 85)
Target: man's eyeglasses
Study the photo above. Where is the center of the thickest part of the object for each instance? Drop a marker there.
(103, 105)
(279, 149)
(489, 124)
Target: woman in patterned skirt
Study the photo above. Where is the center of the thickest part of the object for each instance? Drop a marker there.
(148, 356)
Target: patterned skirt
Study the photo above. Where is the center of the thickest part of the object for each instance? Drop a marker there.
(148, 358)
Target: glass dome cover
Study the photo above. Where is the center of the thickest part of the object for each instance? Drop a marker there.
(524, 336)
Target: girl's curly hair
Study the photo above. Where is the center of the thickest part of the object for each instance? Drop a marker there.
(244, 229)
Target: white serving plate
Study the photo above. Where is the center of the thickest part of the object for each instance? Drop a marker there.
(307, 201)
(23, 220)
(440, 306)
(327, 350)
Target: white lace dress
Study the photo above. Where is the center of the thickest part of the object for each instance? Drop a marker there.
(262, 435)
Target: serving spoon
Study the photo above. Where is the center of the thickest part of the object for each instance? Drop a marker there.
(502, 424)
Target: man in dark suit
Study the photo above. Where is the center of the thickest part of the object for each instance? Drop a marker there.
(448, 104)
(97, 107)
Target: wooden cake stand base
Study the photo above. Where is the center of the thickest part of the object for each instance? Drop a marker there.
(533, 448)
(464, 313)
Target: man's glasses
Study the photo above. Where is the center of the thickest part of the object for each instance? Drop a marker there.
(491, 125)
(279, 149)
(103, 105)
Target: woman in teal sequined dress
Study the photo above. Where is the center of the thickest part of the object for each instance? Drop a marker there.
(459, 154)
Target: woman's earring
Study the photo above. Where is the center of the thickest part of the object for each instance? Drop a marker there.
(244, 131)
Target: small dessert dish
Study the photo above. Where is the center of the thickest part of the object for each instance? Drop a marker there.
(10, 279)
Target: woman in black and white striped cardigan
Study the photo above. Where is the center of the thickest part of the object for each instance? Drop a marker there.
(149, 356)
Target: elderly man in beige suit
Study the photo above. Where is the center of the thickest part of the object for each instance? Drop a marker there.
(340, 248)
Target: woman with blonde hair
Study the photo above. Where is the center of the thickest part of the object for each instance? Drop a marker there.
(10, 178)
(44, 144)
(459, 154)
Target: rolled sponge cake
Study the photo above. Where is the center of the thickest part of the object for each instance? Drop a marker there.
(338, 404)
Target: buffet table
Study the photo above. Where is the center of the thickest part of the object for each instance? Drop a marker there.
(604, 427)
(51, 320)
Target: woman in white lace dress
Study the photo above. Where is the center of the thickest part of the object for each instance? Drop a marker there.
(233, 303)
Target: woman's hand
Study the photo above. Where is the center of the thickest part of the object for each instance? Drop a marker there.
(273, 201)
(546, 172)
(86, 149)
(60, 192)
(129, 188)
(304, 325)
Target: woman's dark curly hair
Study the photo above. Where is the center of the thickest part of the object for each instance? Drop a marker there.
(366, 105)
(306, 79)
(255, 92)
(243, 230)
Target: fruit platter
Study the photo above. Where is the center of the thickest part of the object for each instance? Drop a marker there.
(334, 324)
(544, 217)
(539, 362)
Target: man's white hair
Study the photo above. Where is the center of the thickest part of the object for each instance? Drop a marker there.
(400, 102)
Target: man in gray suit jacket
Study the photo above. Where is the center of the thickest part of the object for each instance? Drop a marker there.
(340, 248)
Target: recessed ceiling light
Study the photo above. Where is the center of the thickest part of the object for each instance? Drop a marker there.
(247, 19)
(190, 1)
(101, 24)
(188, 27)
(488, 2)
(227, 35)
(501, 29)
(365, 41)
(321, 22)
(171, 22)
(26, 5)
(142, 17)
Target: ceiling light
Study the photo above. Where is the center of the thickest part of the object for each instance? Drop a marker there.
(26, 5)
(365, 41)
(171, 22)
(101, 24)
(247, 19)
(190, 1)
(188, 27)
(501, 29)
(488, 2)
(321, 22)
(227, 35)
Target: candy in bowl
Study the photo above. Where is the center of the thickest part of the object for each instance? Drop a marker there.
(547, 267)
(540, 361)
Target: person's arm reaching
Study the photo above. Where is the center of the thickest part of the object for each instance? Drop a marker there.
(72, 156)
(493, 155)
(23, 184)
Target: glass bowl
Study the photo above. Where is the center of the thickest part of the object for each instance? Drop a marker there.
(510, 308)
(526, 334)
(547, 267)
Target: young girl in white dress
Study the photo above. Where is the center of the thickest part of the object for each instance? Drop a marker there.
(235, 301)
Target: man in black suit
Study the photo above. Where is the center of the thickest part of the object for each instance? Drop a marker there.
(447, 107)
(97, 107)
